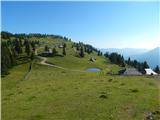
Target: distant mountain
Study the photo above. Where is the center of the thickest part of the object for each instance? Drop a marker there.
(126, 52)
(152, 57)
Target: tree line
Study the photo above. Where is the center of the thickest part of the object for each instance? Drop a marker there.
(7, 35)
(54, 52)
(13, 49)
(119, 60)
(85, 48)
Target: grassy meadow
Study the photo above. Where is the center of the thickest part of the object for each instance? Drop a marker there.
(51, 93)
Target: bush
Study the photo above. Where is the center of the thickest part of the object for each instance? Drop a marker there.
(134, 90)
(103, 96)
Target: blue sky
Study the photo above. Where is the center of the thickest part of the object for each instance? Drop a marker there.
(102, 24)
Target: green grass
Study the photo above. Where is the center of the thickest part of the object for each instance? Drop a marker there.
(55, 94)
(52, 93)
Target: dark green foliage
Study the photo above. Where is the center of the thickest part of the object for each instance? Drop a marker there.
(103, 96)
(81, 53)
(11, 50)
(99, 53)
(110, 80)
(8, 58)
(46, 48)
(134, 90)
(128, 61)
(18, 46)
(157, 70)
(32, 56)
(145, 64)
(87, 48)
(116, 58)
(33, 45)
(119, 60)
(140, 66)
(106, 54)
(54, 51)
(65, 38)
(64, 51)
(27, 48)
(6, 35)
(64, 45)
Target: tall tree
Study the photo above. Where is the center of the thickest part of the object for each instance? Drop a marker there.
(46, 48)
(18, 47)
(145, 65)
(27, 48)
(54, 51)
(81, 52)
(32, 55)
(157, 70)
(64, 49)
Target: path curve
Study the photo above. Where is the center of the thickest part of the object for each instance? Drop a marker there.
(44, 62)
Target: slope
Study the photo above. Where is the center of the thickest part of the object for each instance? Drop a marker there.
(52, 93)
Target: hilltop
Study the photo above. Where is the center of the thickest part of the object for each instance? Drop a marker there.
(69, 91)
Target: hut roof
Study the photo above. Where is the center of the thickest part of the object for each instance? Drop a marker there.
(131, 71)
(149, 71)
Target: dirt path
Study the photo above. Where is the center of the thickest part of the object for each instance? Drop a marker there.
(44, 62)
(29, 72)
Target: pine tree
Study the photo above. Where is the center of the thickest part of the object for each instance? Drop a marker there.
(18, 47)
(32, 56)
(99, 53)
(64, 45)
(129, 61)
(81, 52)
(145, 65)
(64, 51)
(106, 54)
(54, 51)
(157, 70)
(46, 48)
(27, 48)
(33, 45)
(77, 47)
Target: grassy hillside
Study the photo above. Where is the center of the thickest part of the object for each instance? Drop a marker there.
(72, 93)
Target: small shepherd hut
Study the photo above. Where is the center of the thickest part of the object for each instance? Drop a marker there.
(130, 71)
(149, 71)
(46, 53)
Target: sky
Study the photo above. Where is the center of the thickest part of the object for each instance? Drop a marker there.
(101, 24)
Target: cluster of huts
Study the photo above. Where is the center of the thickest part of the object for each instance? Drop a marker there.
(133, 71)
(49, 52)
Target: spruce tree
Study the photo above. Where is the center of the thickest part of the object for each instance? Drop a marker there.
(54, 51)
(18, 47)
(145, 65)
(64, 51)
(27, 48)
(46, 48)
(81, 52)
(157, 70)
(32, 56)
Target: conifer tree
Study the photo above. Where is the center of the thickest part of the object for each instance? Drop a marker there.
(157, 70)
(64, 51)
(54, 51)
(81, 52)
(27, 48)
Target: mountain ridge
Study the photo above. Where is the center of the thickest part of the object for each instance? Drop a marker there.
(151, 56)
